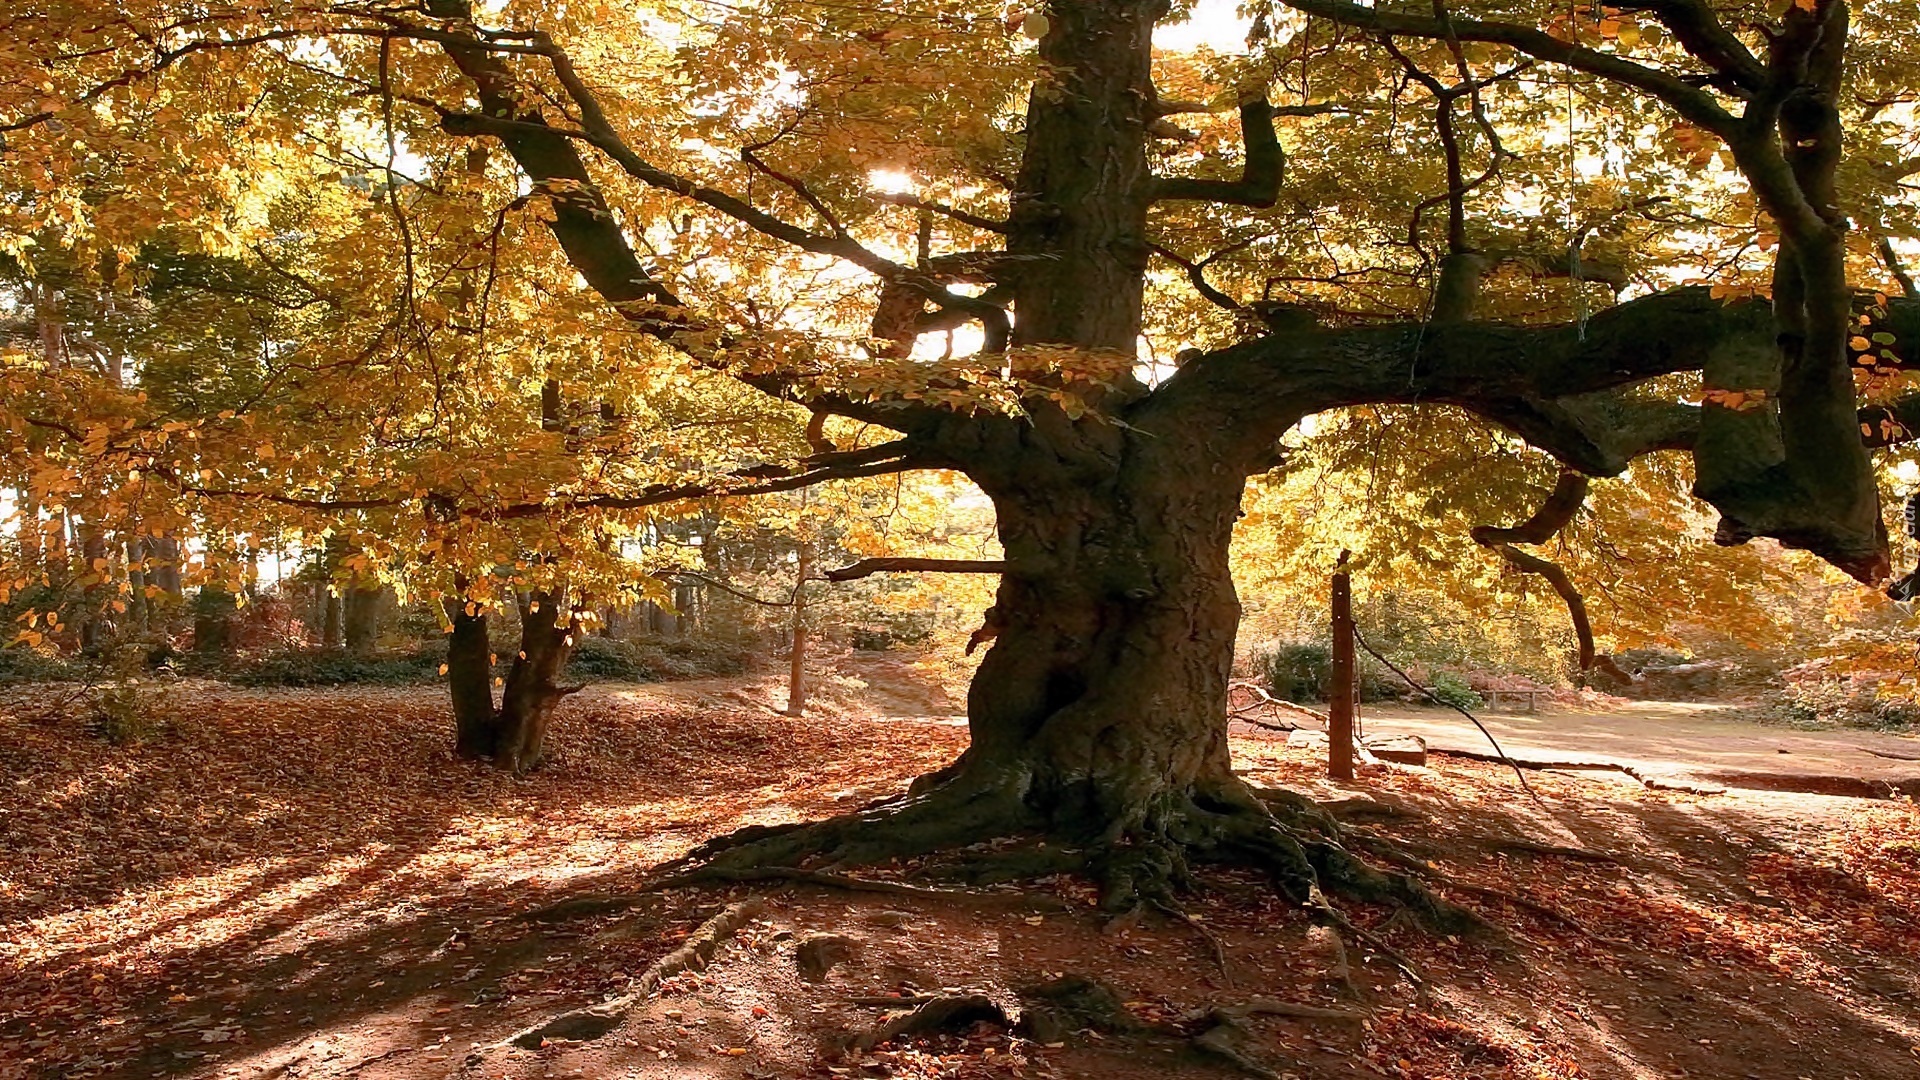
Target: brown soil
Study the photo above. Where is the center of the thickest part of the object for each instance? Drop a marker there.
(305, 884)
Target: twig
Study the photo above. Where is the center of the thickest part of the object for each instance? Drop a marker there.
(1266, 1006)
(395, 1052)
(1339, 919)
(1436, 699)
(1213, 940)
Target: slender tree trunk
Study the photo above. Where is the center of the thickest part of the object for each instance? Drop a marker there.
(1340, 700)
(361, 609)
(470, 682)
(332, 634)
(139, 605)
(32, 533)
(165, 569)
(213, 611)
(95, 574)
(797, 655)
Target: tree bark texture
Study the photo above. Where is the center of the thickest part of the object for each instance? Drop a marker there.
(470, 682)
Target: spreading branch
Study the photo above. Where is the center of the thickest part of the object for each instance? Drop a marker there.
(869, 567)
(1553, 386)
(1690, 101)
(1260, 178)
(1569, 493)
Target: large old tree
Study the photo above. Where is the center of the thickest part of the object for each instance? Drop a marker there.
(1059, 216)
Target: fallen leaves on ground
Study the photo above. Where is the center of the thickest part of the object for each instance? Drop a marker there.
(310, 876)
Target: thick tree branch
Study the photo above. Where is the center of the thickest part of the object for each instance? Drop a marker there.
(1564, 501)
(1698, 29)
(869, 567)
(1259, 183)
(597, 247)
(1569, 492)
(1550, 386)
(1691, 102)
(1264, 386)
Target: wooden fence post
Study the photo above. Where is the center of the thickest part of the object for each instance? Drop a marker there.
(1340, 694)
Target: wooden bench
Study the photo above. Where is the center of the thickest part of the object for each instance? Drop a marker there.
(1531, 697)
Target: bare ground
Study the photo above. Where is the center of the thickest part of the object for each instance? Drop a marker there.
(304, 884)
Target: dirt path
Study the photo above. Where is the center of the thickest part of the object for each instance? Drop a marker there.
(304, 885)
(1675, 743)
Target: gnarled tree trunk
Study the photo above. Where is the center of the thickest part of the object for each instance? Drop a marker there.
(1103, 697)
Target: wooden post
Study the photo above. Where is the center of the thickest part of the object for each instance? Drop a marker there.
(1340, 695)
(797, 674)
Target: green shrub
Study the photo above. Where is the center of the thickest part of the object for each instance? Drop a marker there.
(313, 667)
(22, 665)
(658, 659)
(1298, 672)
(1451, 689)
(1835, 702)
(1304, 672)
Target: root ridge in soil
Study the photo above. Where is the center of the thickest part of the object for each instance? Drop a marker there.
(1142, 861)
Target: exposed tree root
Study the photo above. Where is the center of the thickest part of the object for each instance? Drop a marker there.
(1266, 1006)
(1388, 851)
(1360, 808)
(944, 1013)
(859, 884)
(1224, 1034)
(1226, 1037)
(1051, 1011)
(1545, 911)
(596, 1020)
(1143, 862)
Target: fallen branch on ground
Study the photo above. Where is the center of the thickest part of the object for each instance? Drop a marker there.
(1649, 782)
